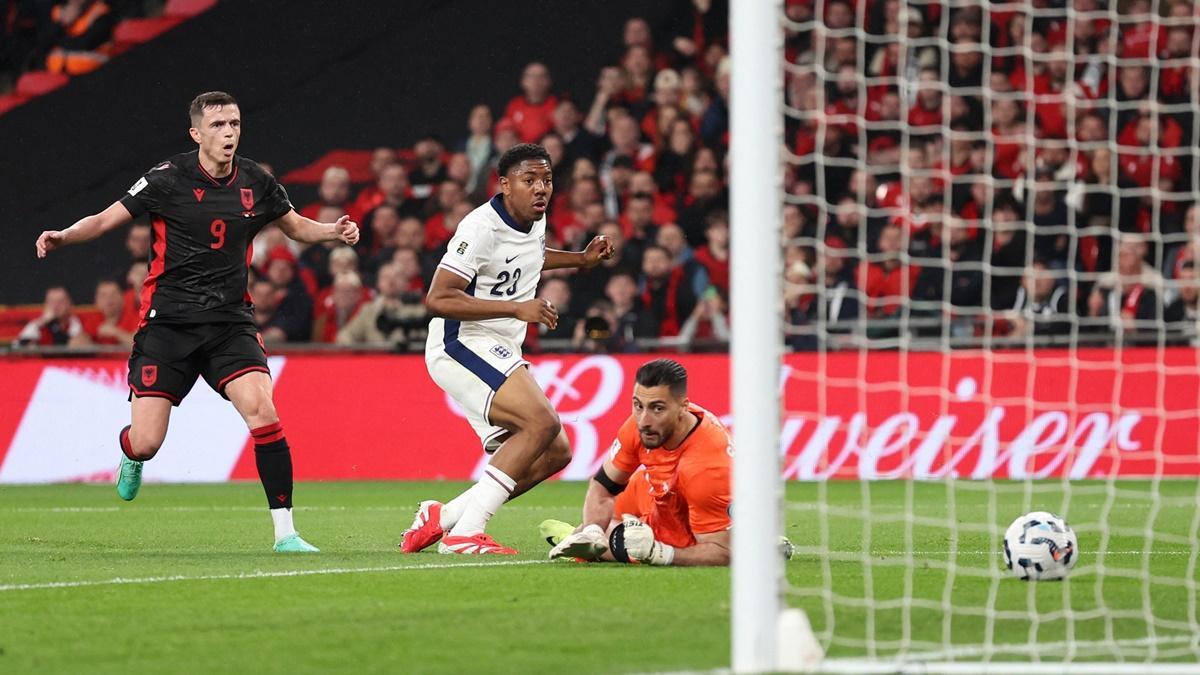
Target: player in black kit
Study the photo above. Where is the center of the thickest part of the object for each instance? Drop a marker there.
(205, 208)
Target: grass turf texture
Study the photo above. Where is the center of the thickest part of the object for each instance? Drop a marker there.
(214, 598)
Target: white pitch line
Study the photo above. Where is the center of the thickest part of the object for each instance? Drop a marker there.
(120, 581)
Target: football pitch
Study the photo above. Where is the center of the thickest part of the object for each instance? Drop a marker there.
(183, 580)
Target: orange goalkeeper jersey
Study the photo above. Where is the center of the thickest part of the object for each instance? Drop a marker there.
(694, 476)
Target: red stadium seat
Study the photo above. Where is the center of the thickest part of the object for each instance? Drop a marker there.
(186, 9)
(10, 101)
(38, 82)
(131, 32)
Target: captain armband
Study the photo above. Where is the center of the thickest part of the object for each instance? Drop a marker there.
(614, 488)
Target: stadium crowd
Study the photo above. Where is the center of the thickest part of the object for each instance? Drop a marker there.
(962, 171)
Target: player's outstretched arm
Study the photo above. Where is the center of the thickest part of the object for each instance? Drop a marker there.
(85, 229)
(599, 248)
(308, 231)
(710, 550)
(603, 488)
(448, 298)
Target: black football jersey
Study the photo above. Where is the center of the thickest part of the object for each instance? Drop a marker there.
(201, 231)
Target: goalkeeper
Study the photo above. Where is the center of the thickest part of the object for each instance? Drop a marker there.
(662, 496)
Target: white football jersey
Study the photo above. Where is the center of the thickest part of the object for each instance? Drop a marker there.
(501, 262)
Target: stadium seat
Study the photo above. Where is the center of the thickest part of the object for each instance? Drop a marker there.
(186, 9)
(10, 101)
(38, 82)
(131, 32)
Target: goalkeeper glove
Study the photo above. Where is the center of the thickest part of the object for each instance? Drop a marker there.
(638, 543)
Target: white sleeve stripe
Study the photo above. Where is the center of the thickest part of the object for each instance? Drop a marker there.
(457, 271)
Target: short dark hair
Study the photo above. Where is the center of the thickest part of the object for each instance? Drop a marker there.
(519, 153)
(208, 99)
(661, 372)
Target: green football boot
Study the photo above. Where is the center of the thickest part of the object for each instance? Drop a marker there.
(129, 478)
(554, 531)
(294, 544)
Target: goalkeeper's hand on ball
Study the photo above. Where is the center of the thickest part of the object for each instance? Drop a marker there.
(640, 544)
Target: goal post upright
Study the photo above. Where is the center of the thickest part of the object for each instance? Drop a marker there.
(756, 136)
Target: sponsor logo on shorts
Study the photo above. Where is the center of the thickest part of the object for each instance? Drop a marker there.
(502, 351)
(149, 375)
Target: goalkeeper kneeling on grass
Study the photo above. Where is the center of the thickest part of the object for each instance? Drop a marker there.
(662, 496)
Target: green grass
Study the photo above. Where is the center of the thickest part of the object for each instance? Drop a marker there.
(213, 597)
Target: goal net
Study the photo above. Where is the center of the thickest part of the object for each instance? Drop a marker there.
(990, 231)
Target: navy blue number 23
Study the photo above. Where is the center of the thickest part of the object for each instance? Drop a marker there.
(503, 278)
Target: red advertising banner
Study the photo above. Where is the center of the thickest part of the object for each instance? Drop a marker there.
(874, 415)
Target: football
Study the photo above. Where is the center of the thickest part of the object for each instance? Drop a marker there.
(1040, 546)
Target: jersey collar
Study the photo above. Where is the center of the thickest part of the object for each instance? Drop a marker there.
(217, 181)
(497, 203)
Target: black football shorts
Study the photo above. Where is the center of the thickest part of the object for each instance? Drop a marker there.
(167, 358)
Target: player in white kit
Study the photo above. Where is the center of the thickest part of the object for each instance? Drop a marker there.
(483, 299)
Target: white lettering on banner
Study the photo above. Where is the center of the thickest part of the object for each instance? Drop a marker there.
(205, 440)
(577, 409)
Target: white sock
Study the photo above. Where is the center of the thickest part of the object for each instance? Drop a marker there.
(283, 523)
(453, 510)
(492, 490)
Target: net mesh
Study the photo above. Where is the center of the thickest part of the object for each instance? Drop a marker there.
(990, 224)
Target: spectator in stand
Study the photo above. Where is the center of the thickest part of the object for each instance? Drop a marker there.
(666, 98)
(1007, 254)
(1184, 311)
(341, 259)
(266, 299)
(610, 86)
(553, 143)
(334, 190)
(558, 292)
(409, 262)
(630, 320)
(430, 169)
(927, 111)
(706, 196)
(568, 124)
(714, 255)
(395, 192)
(671, 170)
(1131, 295)
(371, 196)
(638, 222)
(137, 242)
(378, 235)
(57, 326)
(532, 113)
(396, 316)
(570, 217)
(337, 307)
(642, 182)
(314, 258)
(131, 301)
(478, 146)
(111, 326)
(1041, 306)
(714, 123)
(887, 282)
(670, 237)
(440, 226)
(294, 304)
(74, 40)
(625, 139)
(666, 294)
(587, 285)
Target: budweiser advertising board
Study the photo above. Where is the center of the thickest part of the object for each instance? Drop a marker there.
(880, 415)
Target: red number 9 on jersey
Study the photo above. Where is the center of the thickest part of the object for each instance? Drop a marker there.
(218, 233)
